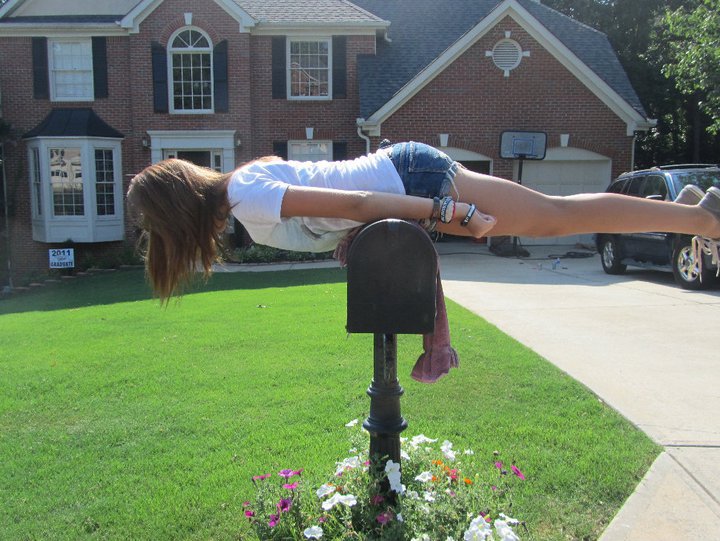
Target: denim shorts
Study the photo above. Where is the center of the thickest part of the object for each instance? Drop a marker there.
(424, 170)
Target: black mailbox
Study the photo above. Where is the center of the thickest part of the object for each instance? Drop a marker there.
(392, 280)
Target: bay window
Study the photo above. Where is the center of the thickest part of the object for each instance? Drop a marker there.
(76, 189)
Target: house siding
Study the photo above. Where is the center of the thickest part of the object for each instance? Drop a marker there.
(474, 102)
(470, 99)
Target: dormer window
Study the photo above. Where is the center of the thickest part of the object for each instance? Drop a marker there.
(190, 72)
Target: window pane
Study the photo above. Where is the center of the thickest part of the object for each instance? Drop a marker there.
(192, 81)
(104, 182)
(309, 68)
(36, 182)
(71, 69)
(66, 182)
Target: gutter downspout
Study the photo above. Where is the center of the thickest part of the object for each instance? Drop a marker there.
(361, 135)
(7, 217)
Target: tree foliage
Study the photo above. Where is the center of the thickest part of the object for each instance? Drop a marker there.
(637, 32)
(693, 45)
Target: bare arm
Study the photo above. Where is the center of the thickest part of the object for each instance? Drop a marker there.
(370, 206)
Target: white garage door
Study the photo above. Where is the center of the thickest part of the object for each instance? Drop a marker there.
(566, 171)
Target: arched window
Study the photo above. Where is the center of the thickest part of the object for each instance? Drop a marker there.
(191, 71)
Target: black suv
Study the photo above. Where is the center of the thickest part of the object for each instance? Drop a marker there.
(659, 250)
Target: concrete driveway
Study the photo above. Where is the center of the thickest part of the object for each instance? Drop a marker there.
(646, 347)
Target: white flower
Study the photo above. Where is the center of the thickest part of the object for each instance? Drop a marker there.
(446, 448)
(404, 455)
(505, 532)
(479, 530)
(335, 499)
(392, 470)
(468, 452)
(509, 520)
(423, 537)
(450, 539)
(313, 532)
(348, 464)
(399, 517)
(424, 477)
(413, 495)
(429, 496)
(325, 490)
(352, 423)
(420, 439)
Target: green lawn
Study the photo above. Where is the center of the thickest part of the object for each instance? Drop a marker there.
(120, 419)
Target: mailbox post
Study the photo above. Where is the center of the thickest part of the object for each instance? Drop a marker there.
(392, 279)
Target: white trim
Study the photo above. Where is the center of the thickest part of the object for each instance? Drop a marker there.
(57, 30)
(194, 140)
(312, 28)
(537, 31)
(9, 7)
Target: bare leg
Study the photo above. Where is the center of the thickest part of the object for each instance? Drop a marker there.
(524, 212)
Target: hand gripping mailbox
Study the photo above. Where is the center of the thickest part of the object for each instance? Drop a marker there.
(392, 279)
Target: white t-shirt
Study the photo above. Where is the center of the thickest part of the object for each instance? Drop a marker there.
(256, 191)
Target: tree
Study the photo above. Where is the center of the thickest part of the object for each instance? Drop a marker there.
(693, 43)
(636, 32)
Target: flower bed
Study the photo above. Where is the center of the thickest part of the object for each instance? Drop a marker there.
(442, 494)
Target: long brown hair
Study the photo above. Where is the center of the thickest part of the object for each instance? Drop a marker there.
(182, 209)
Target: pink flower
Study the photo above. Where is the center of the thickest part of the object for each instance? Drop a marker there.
(286, 473)
(384, 518)
(284, 505)
(377, 499)
(499, 465)
(290, 486)
(517, 472)
(322, 519)
(249, 514)
(246, 504)
(273, 520)
(260, 477)
(298, 472)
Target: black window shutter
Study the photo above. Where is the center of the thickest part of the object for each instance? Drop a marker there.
(339, 151)
(41, 83)
(99, 59)
(339, 67)
(159, 73)
(220, 74)
(279, 68)
(280, 149)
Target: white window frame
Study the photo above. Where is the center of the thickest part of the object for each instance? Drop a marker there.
(90, 226)
(54, 70)
(171, 51)
(293, 145)
(289, 70)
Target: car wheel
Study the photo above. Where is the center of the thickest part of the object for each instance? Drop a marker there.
(610, 256)
(685, 270)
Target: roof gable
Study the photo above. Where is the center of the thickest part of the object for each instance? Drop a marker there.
(419, 50)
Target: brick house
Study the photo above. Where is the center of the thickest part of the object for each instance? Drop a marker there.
(95, 91)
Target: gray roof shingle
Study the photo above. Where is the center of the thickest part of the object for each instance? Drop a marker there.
(307, 11)
(421, 31)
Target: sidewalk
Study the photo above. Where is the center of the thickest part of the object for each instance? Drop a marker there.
(634, 340)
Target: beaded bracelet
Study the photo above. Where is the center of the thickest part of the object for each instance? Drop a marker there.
(468, 216)
(447, 210)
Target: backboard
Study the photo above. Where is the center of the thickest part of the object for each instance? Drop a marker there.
(528, 145)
